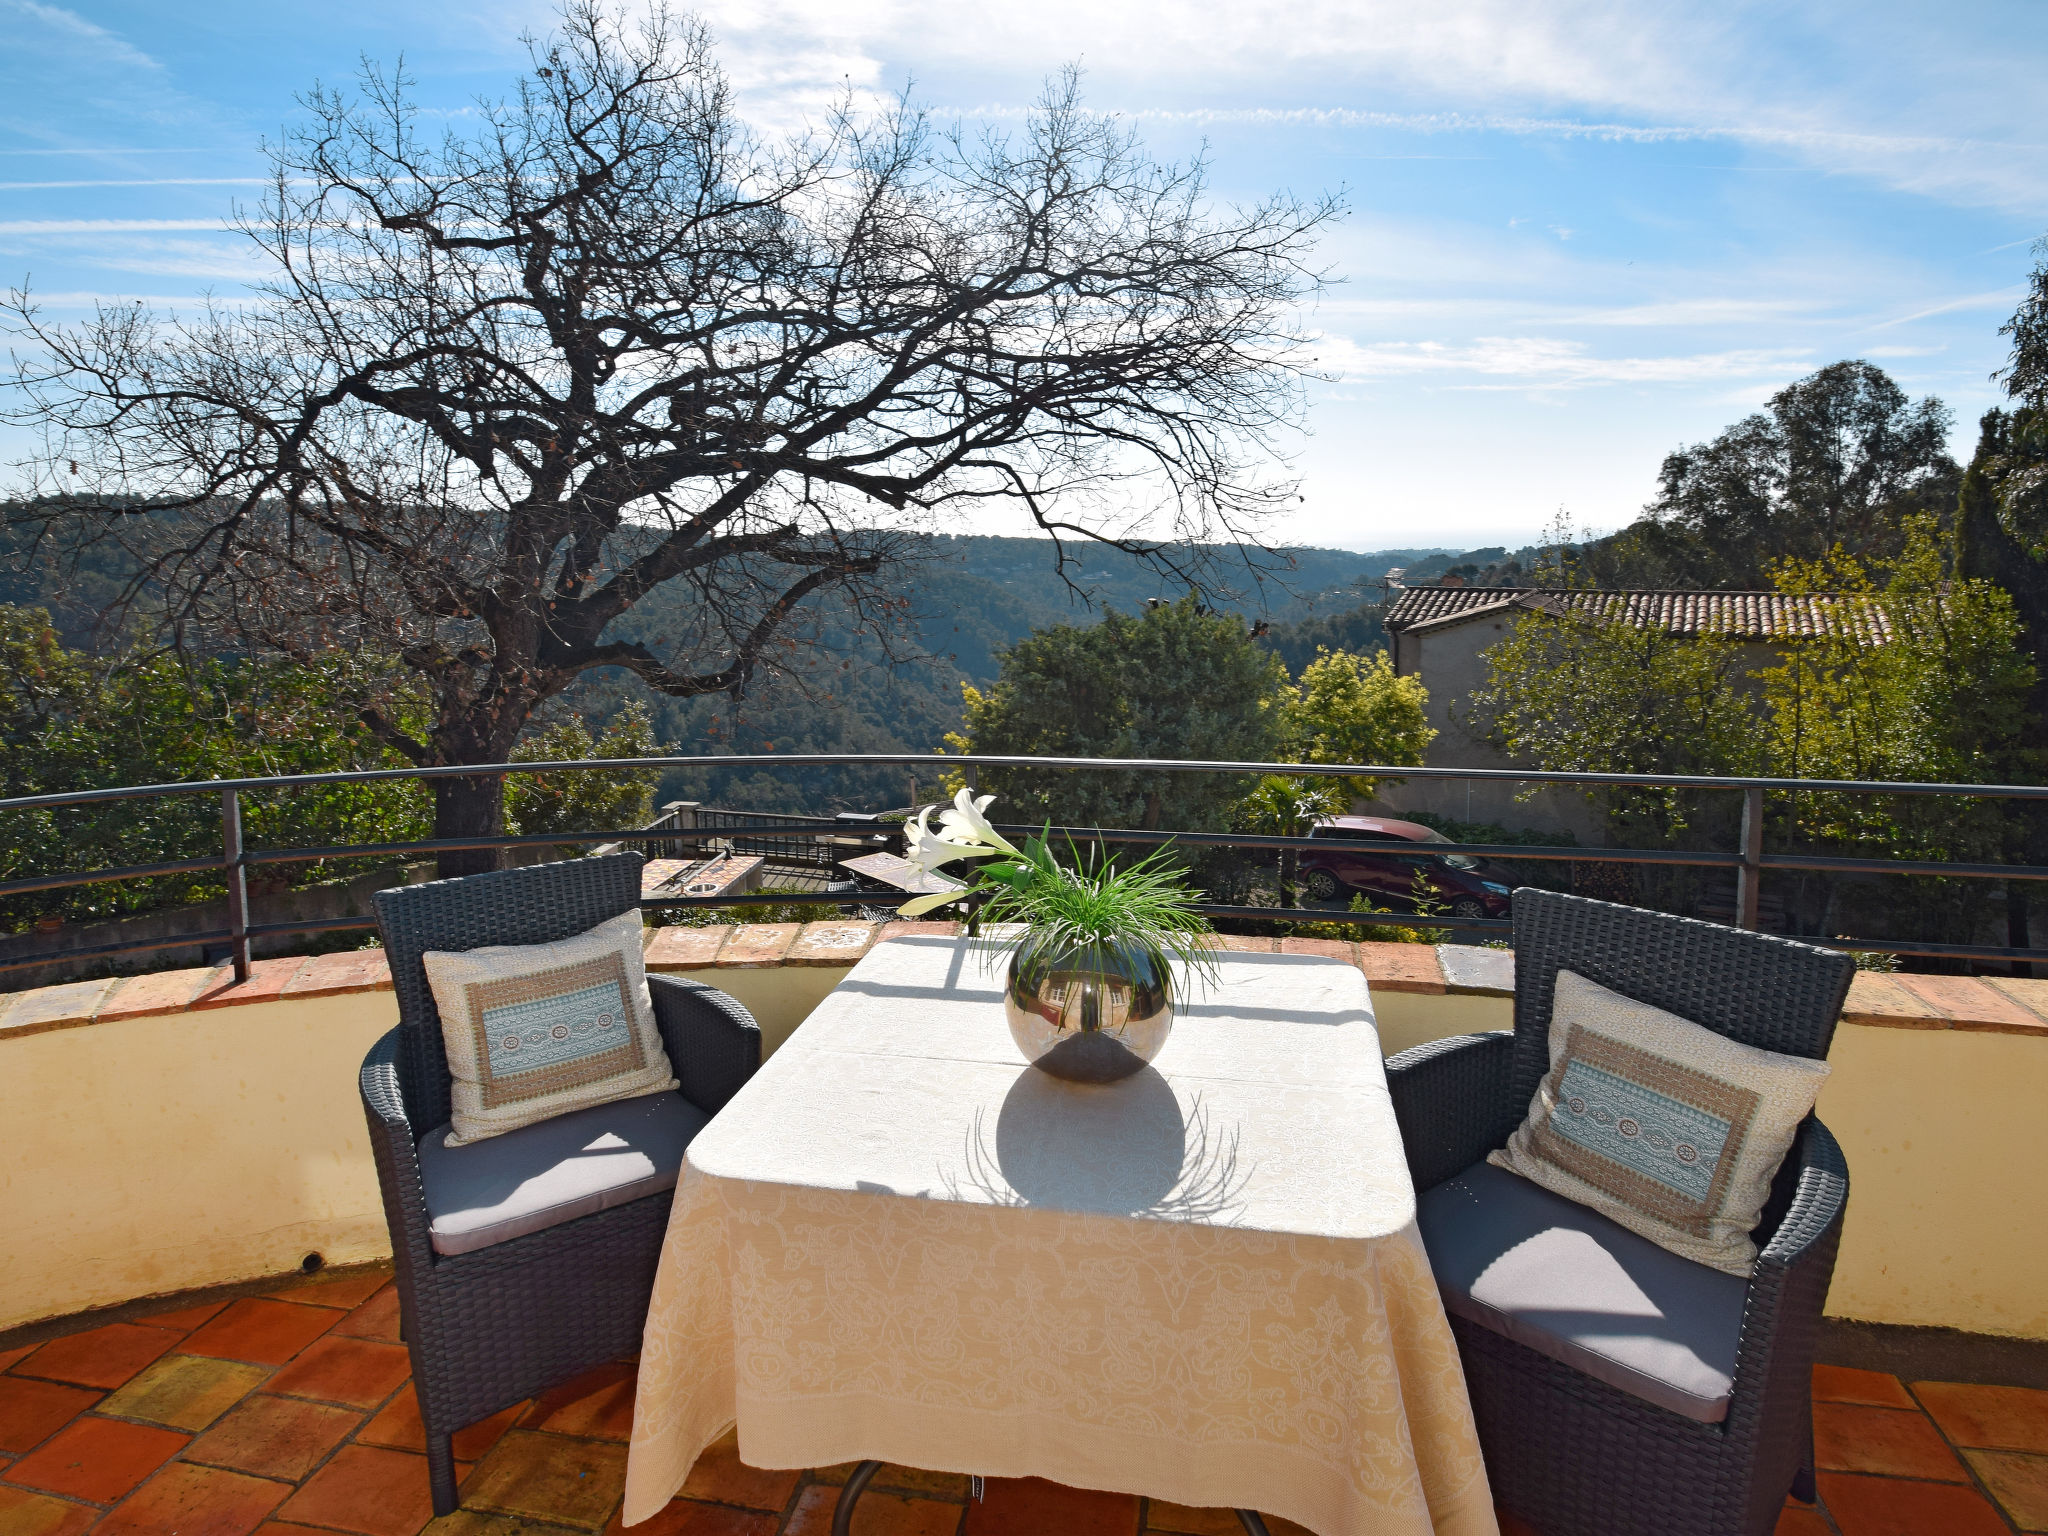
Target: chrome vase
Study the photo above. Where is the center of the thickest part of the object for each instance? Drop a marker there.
(1090, 1013)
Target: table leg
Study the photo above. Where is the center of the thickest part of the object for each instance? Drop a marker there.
(1253, 1522)
(849, 1495)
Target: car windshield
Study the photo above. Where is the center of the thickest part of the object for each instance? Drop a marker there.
(1455, 860)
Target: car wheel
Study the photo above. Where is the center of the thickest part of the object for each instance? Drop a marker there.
(1469, 906)
(1323, 886)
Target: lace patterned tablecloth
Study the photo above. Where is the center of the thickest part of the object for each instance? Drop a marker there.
(1203, 1283)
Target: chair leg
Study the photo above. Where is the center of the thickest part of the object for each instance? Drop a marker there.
(441, 1472)
(1253, 1522)
(1803, 1486)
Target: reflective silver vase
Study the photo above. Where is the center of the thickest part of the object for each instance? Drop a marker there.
(1090, 1014)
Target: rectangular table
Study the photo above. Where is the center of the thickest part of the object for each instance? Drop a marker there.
(1202, 1284)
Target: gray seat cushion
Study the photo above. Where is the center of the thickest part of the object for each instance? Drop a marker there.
(553, 1171)
(1565, 1281)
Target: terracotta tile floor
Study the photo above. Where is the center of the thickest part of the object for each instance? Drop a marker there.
(292, 1414)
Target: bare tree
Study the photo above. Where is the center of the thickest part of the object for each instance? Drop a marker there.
(503, 385)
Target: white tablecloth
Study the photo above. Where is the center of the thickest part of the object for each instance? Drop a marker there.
(1203, 1283)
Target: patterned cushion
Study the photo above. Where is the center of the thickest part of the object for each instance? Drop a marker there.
(1668, 1128)
(535, 1030)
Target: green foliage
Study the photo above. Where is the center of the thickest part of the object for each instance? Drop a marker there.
(1581, 693)
(1176, 681)
(1945, 699)
(1841, 457)
(1942, 703)
(586, 801)
(1355, 709)
(69, 721)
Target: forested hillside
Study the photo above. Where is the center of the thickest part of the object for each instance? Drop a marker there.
(971, 596)
(974, 596)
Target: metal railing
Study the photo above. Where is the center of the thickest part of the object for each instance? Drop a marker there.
(1748, 860)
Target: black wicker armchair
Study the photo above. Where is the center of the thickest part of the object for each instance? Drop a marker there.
(508, 1314)
(1711, 1426)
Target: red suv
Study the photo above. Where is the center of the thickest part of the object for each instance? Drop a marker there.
(1364, 854)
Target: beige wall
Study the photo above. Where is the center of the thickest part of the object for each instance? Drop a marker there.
(146, 1156)
(1948, 1191)
(156, 1155)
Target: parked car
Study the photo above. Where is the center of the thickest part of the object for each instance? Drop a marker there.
(1363, 853)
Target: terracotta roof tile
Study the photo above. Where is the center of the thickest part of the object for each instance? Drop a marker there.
(1738, 615)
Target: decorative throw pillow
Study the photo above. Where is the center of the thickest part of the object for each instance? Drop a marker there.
(536, 1030)
(1669, 1129)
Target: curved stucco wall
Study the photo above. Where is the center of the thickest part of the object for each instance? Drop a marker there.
(156, 1154)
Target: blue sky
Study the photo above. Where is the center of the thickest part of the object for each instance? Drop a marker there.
(1582, 233)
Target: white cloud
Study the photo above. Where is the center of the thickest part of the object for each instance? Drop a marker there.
(107, 45)
(1542, 362)
(1942, 103)
(100, 226)
(151, 181)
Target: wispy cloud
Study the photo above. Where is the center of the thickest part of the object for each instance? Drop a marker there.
(109, 45)
(1999, 299)
(1548, 362)
(101, 226)
(149, 181)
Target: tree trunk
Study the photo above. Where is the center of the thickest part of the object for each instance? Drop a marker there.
(468, 808)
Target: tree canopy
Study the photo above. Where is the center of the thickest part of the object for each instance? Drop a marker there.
(1175, 681)
(507, 380)
(1840, 458)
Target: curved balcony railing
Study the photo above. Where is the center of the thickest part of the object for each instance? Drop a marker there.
(1748, 860)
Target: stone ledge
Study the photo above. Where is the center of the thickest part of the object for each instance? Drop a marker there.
(1972, 1004)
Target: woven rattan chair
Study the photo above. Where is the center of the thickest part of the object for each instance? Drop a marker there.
(492, 1326)
(1573, 1455)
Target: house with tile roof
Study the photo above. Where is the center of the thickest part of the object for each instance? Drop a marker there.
(1440, 633)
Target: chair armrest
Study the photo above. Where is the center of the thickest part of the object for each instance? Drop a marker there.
(1450, 1099)
(395, 1146)
(712, 1041)
(1789, 1286)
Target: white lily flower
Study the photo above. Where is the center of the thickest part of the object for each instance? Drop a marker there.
(927, 849)
(967, 812)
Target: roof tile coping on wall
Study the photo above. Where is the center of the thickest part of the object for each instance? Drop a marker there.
(1989, 1004)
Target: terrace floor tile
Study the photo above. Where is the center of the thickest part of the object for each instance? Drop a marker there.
(1893, 1506)
(185, 1319)
(2018, 1484)
(723, 1478)
(307, 1426)
(32, 1411)
(185, 1392)
(37, 1514)
(195, 1501)
(361, 1373)
(275, 1437)
(686, 1517)
(366, 1490)
(376, 1318)
(879, 1514)
(335, 1290)
(96, 1459)
(1028, 1506)
(1997, 1418)
(262, 1331)
(99, 1357)
(398, 1425)
(598, 1404)
(1848, 1437)
(1840, 1384)
(550, 1477)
